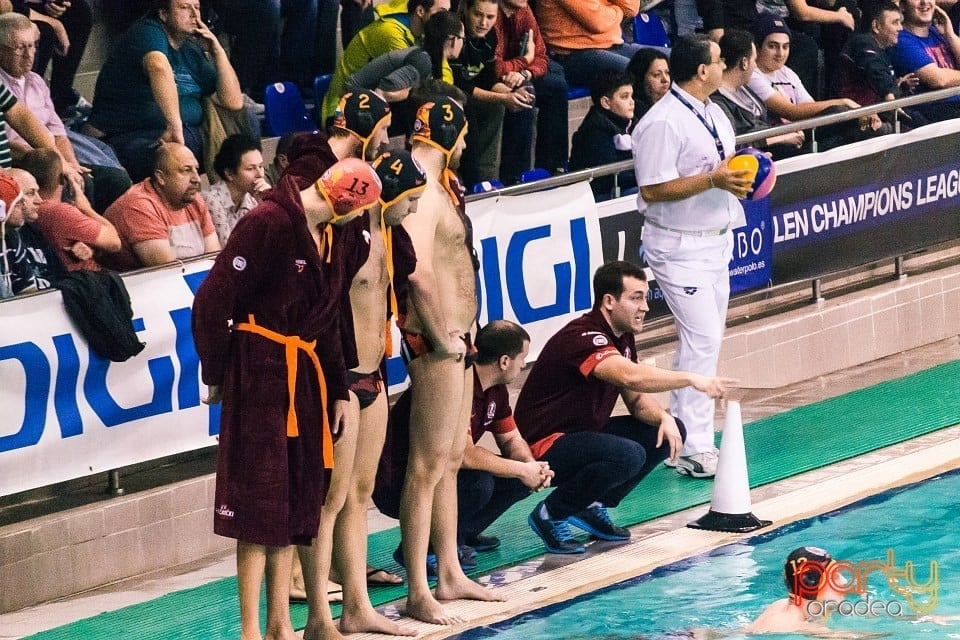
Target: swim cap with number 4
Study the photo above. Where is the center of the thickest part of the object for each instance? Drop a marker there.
(349, 186)
(399, 174)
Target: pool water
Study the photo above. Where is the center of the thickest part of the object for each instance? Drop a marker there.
(728, 587)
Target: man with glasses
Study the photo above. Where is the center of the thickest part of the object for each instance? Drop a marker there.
(104, 183)
(689, 198)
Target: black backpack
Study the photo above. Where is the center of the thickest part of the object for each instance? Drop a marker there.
(99, 305)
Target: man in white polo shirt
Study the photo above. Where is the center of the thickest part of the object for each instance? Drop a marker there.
(688, 195)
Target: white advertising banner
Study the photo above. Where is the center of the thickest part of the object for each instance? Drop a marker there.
(66, 413)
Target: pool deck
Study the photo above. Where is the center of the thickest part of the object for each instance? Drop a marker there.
(552, 578)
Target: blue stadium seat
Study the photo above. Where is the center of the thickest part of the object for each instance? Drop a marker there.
(487, 185)
(577, 92)
(284, 110)
(534, 174)
(320, 86)
(648, 29)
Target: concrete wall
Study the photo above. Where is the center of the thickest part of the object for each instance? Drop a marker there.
(87, 547)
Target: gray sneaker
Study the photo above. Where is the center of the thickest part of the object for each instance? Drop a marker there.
(699, 465)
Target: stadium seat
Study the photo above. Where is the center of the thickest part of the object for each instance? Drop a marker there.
(487, 185)
(284, 110)
(320, 86)
(648, 29)
(577, 92)
(533, 175)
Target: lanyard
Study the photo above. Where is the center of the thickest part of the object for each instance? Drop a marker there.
(709, 126)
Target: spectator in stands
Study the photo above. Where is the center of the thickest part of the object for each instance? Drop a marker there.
(650, 69)
(151, 87)
(474, 72)
(400, 26)
(11, 208)
(16, 115)
(239, 165)
(604, 135)
(161, 219)
(746, 111)
(720, 15)
(784, 94)
(815, 29)
(64, 29)
(865, 74)
(522, 58)
(280, 159)
(258, 52)
(929, 47)
(18, 36)
(33, 264)
(354, 16)
(74, 229)
(396, 72)
(584, 36)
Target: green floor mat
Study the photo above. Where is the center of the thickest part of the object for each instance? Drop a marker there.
(780, 446)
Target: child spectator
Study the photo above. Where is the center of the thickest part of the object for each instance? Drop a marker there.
(604, 136)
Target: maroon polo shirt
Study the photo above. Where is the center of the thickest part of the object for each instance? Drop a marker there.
(561, 394)
(491, 410)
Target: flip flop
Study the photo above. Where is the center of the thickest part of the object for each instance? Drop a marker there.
(382, 578)
(334, 595)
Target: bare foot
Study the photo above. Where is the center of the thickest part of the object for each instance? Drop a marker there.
(464, 588)
(324, 630)
(369, 621)
(429, 610)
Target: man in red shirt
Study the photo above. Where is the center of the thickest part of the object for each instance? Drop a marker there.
(565, 405)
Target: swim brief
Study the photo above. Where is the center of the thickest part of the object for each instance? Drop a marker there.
(414, 345)
(366, 386)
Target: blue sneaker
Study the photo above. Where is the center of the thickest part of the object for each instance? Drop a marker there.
(597, 522)
(556, 534)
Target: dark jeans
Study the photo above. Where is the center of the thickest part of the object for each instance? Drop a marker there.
(104, 185)
(259, 54)
(137, 148)
(552, 135)
(78, 21)
(352, 19)
(479, 160)
(482, 498)
(581, 67)
(605, 466)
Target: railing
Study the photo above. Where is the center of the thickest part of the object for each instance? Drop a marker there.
(801, 125)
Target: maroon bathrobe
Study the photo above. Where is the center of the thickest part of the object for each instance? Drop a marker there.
(271, 484)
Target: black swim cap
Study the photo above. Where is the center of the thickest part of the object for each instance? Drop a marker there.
(804, 570)
(400, 175)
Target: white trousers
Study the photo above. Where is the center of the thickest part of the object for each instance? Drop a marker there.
(693, 273)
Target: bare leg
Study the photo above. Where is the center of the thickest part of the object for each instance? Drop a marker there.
(316, 559)
(452, 582)
(251, 562)
(437, 395)
(350, 533)
(278, 562)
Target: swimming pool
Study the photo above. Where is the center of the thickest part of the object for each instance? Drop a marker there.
(730, 586)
